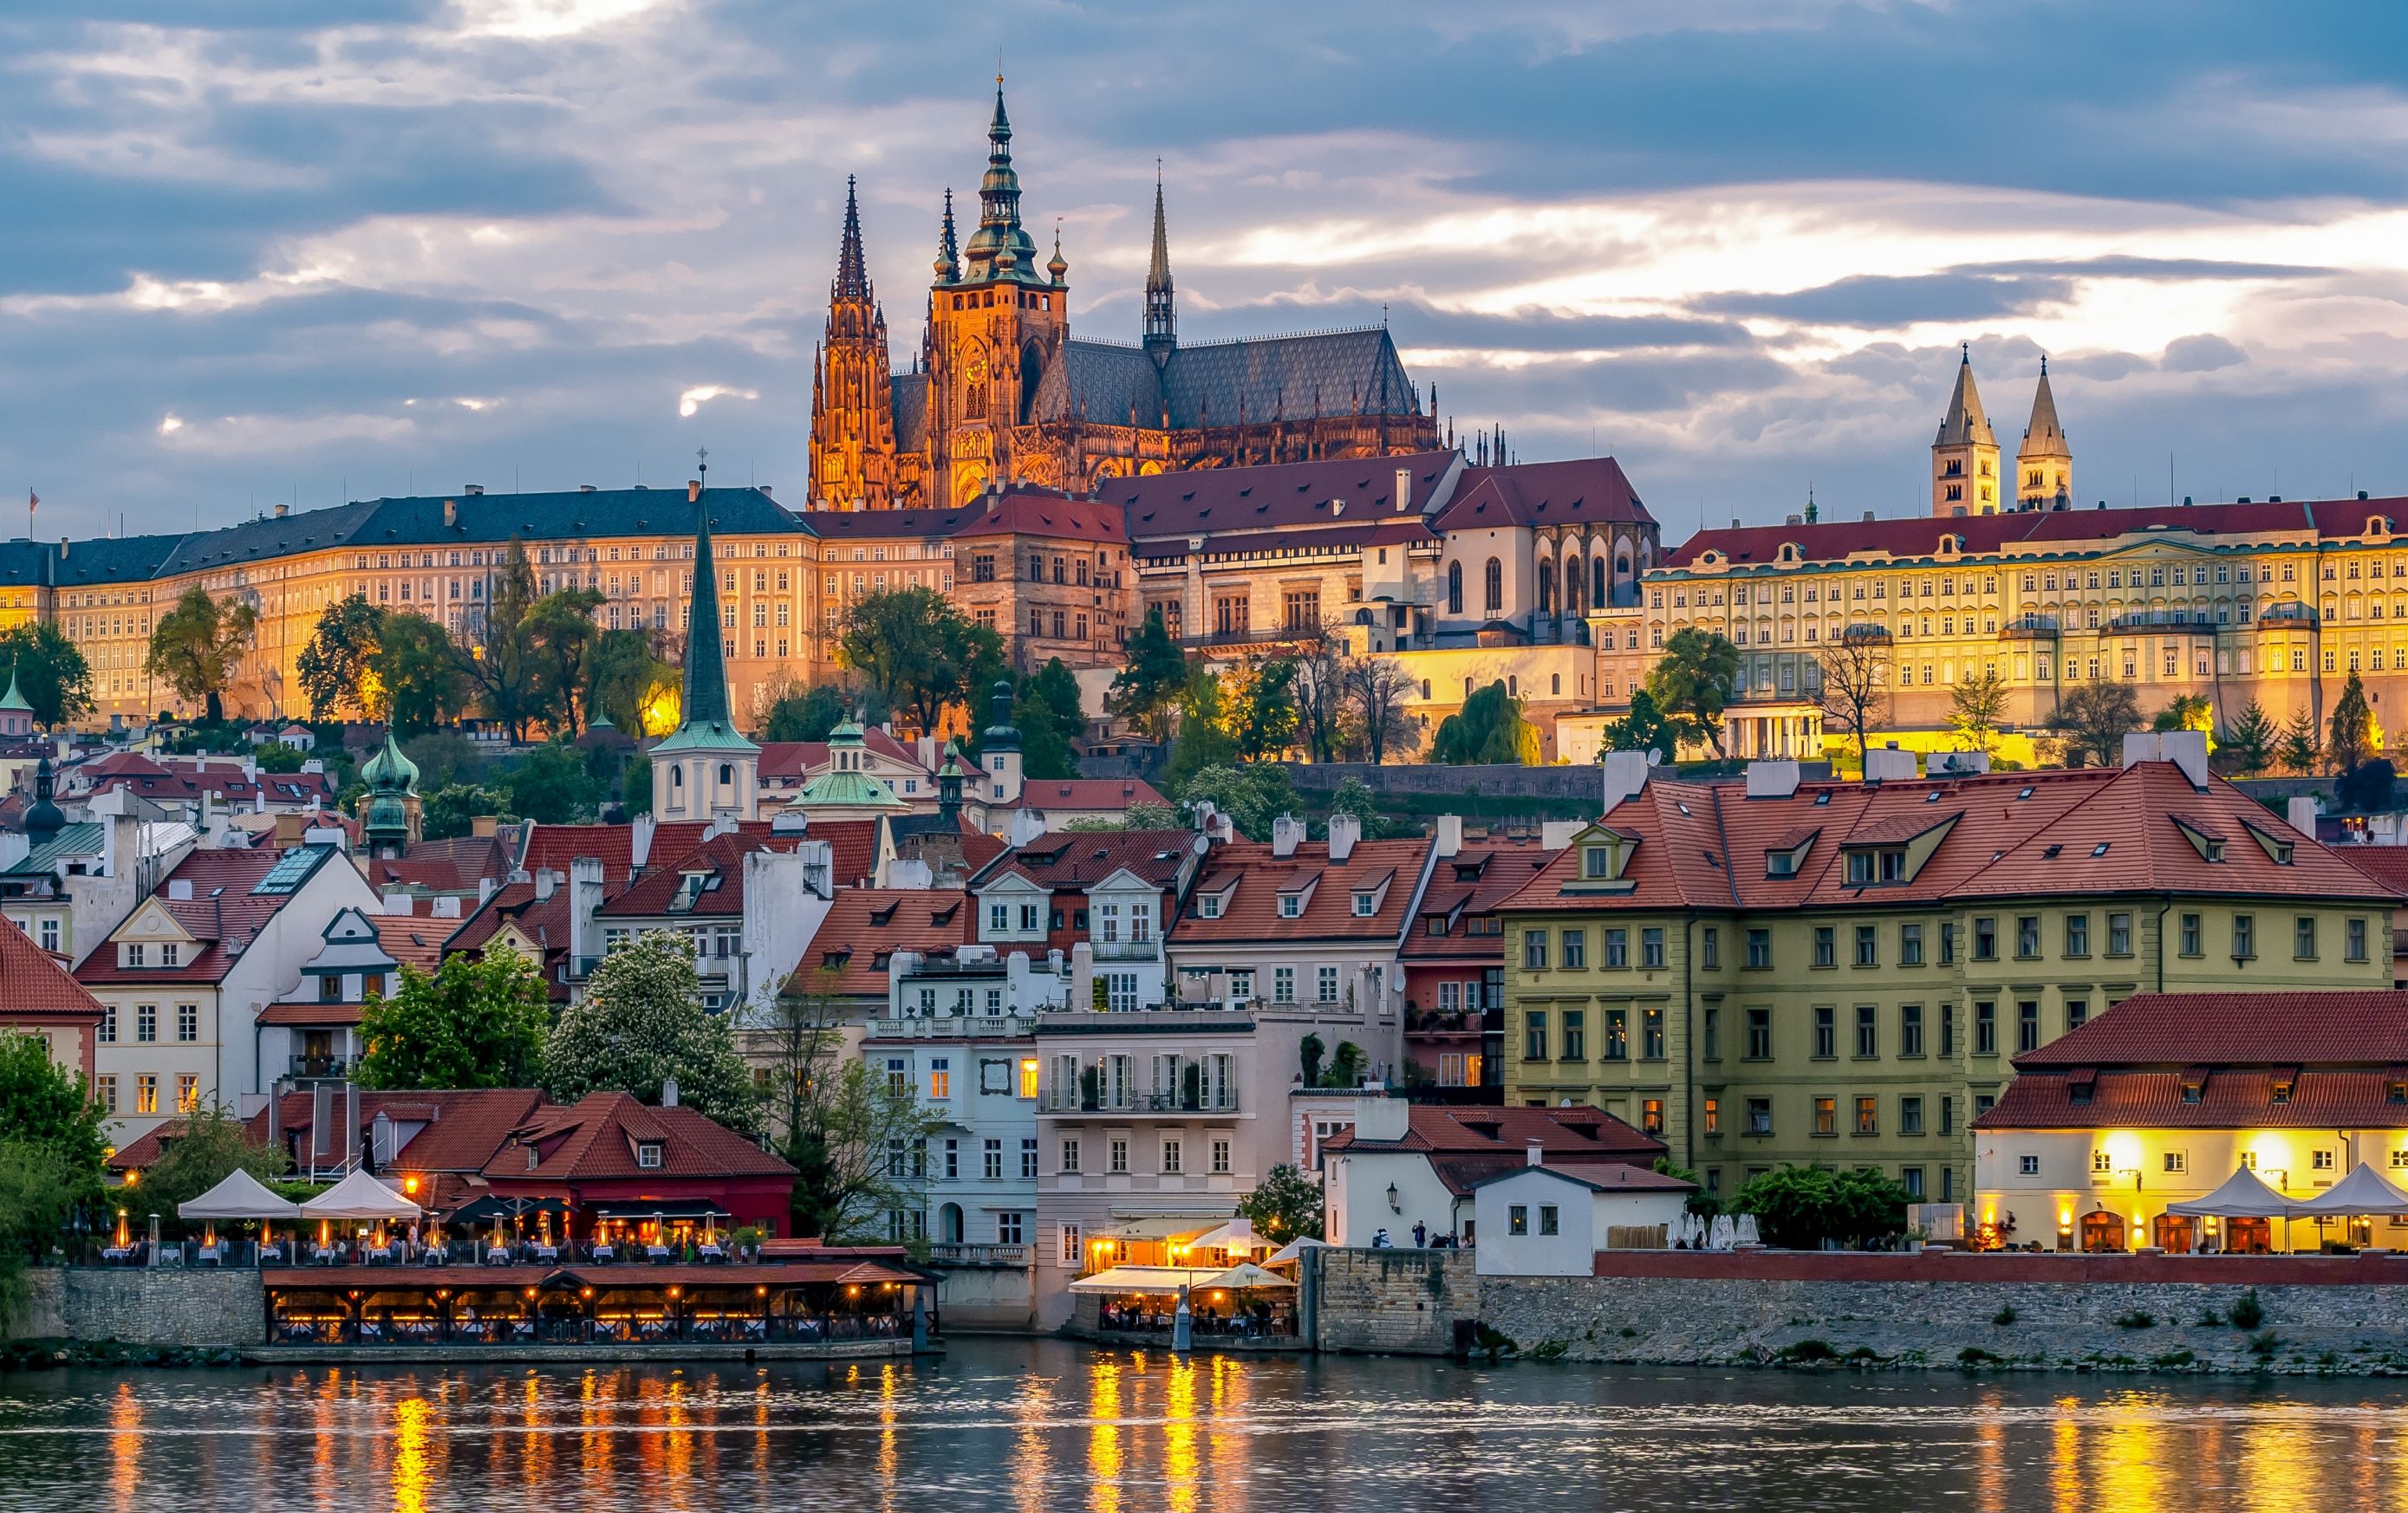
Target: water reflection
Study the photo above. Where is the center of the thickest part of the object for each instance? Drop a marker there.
(1040, 1427)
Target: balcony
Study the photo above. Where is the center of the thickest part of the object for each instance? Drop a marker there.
(1014, 1256)
(1075, 1100)
(2159, 621)
(952, 1027)
(2030, 628)
(1126, 951)
(1208, 1018)
(320, 1067)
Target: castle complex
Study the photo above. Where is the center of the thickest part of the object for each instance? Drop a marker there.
(1002, 392)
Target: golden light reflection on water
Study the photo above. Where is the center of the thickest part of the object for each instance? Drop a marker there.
(1990, 1458)
(1179, 1434)
(1226, 1452)
(126, 1447)
(1104, 1463)
(2123, 1453)
(889, 1453)
(2065, 1455)
(1032, 1449)
(412, 1474)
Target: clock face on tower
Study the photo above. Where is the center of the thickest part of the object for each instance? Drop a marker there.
(976, 371)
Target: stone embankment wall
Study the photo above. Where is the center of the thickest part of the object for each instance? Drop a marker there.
(2340, 1315)
(135, 1307)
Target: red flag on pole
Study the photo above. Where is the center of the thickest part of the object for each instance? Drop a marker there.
(31, 500)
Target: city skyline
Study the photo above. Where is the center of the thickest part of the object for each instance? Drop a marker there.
(547, 242)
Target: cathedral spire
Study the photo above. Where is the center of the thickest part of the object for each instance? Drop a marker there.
(706, 661)
(949, 251)
(1161, 309)
(1966, 425)
(852, 272)
(1000, 248)
(2044, 462)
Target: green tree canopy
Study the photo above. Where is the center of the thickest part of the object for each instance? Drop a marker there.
(1258, 707)
(42, 1104)
(500, 660)
(1285, 1205)
(2246, 746)
(1202, 741)
(468, 1024)
(640, 1023)
(1977, 706)
(1047, 712)
(416, 670)
(1489, 728)
(2352, 736)
(563, 641)
(197, 647)
(2299, 748)
(452, 809)
(1252, 795)
(1798, 1208)
(918, 651)
(831, 1120)
(334, 663)
(1694, 680)
(628, 671)
(1643, 729)
(1147, 690)
(210, 1146)
(50, 673)
(807, 714)
(551, 785)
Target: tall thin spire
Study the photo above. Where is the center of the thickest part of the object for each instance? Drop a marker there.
(2044, 462)
(1966, 422)
(949, 251)
(1000, 247)
(706, 658)
(1161, 307)
(852, 272)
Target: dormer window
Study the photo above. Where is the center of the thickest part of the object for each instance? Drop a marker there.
(535, 1157)
(648, 1154)
(137, 954)
(1209, 907)
(167, 954)
(1291, 905)
(1781, 864)
(2279, 1087)
(1596, 861)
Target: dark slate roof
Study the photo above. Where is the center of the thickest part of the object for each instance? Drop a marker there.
(264, 539)
(1218, 384)
(1210, 501)
(910, 392)
(107, 560)
(885, 524)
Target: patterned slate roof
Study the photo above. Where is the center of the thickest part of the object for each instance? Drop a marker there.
(1169, 507)
(1220, 383)
(909, 395)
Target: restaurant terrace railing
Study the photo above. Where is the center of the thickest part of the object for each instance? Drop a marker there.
(978, 1255)
(301, 1326)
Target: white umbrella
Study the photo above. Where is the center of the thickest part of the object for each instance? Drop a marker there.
(360, 1196)
(1722, 1235)
(2364, 1191)
(241, 1195)
(1294, 1248)
(1746, 1234)
(2241, 1197)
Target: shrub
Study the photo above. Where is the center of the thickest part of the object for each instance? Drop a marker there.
(1973, 1355)
(2211, 1319)
(2247, 1312)
(2004, 1316)
(1797, 1208)
(2264, 1344)
(1809, 1349)
(2173, 1359)
(2136, 1320)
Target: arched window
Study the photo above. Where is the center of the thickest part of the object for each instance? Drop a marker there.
(1572, 587)
(1547, 590)
(1494, 587)
(677, 776)
(726, 773)
(1455, 588)
(1596, 583)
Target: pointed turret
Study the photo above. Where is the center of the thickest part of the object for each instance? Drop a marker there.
(1965, 455)
(1161, 307)
(1000, 248)
(2044, 462)
(949, 251)
(16, 715)
(706, 769)
(1057, 265)
(852, 273)
(44, 820)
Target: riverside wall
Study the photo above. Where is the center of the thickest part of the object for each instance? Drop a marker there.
(2337, 1314)
(134, 1306)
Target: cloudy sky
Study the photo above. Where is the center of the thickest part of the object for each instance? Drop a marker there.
(255, 256)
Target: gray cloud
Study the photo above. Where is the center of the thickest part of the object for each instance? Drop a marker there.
(2202, 354)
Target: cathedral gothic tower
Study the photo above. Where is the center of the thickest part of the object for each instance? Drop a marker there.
(2044, 462)
(1965, 454)
(993, 325)
(852, 456)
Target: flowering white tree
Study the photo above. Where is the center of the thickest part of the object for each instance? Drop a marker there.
(642, 1022)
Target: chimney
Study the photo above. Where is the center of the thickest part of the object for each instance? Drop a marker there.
(692, 490)
(1869, 517)
(63, 549)
(1772, 780)
(474, 489)
(1285, 832)
(585, 488)
(1888, 765)
(2185, 749)
(1344, 831)
(180, 889)
(2302, 813)
(1449, 836)
(451, 513)
(585, 885)
(546, 879)
(1554, 834)
(668, 1092)
(446, 907)
(1625, 775)
(765, 491)
(484, 890)
(282, 511)
(1534, 1154)
(397, 901)
(482, 827)
(1404, 487)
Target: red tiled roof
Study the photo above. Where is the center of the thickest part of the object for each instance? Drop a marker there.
(1045, 513)
(1250, 911)
(2228, 1099)
(596, 1138)
(186, 778)
(866, 925)
(721, 858)
(302, 1011)
(1093, 795)
(1467, 1146)
(1702, 845)
(1069, 858)
(1469, 885)
(414, 939)
(2386, 865)
(464, 1126)
(782, 761)
(41, 987)
(454, 864)
(920, 524)
(2229, 1029)
(224, 914)
(1578, 491)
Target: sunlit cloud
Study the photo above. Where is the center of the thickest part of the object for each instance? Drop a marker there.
(695, 398)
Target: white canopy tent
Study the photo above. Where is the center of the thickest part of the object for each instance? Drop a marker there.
(1236, 1234)
(2364, 1191)
(241, 1195)
(1244, 1274)
(1158, 1281)
(1294, 1248)
(2241, 1197)
(360, 1196)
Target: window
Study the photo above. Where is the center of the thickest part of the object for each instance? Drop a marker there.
(146, 1022)
(1985, 940)
(2190, 933)
(1911, 1178)
(990, 1160)
(2027, 935)
(1949, 943)
(1071, 1155)
(146, 1093)
(1910, 1030)
(2354, 937)
(1985, 1029)
(1596, 861)
(1948, 1029)
(1073, 1251)
(1119, 1152)
(2028, 1165)
(1759, 1034)
(1534, 1036)
(2304, 937)
(1910, 1116)
(2177, 1162)
(1518, 1219)
(1170, 1156)
(107, 1033)
(648, 1154)
(2244, 936)
(1827, 1116)
(1576, 1036)
(951, 1163)
(1709, 949)
(1827, 950)
(1326, 985)
(1651, 1033)
(2119, 934)
(1868, 1116)
(1868, 1030)
(188, 1093)
(1292, 906)
(941, 1079)
(1008, 1230)
(1760, 947)
(1867, 946)
(1220, 1156)
(1711, 1115)
(1028, 1078)
(1947, 1115)
(2027, 1025)
(1910, 945)
(1827, 1032)
(2077, 935)
(1547, 1221)
(1760, 1115)
(106, 1083)
(1534, 950)
(1282, 985)
(1711, 1034)
(1650, 947)
(1576, 949)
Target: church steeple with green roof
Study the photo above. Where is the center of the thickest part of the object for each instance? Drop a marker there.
(705, 768)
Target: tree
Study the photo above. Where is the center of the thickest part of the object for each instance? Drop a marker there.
(334, 663)
(1643, 729)
(918, 651)
(444, 756)
(552, 786)
(1146, 693)
(1202, 743)
(631, 679)
(1347, 1065)
(2246, 746)
(1854, 686)
(1317, 687)
(830, 1118)
(42, 1104)
(1252, 797)
(805, 714)
(452, 809)
(1694, 680)
(39, 1193)
(2299, 748)
(2353, 737)
(197, 644)
(2092, 722)
(641, 1023)
(1308, 1059)
(499, 661)
(211, 1145)
(1798, 1208)
(1258, 705)
(1354, 797)
(1489, 728)
(1378, 691)
(561, 643)
(2186, 711)
(2366, 789)
(470, 1023)
(50, 673)
(416, 669)
(1977, 705)
(1047, 712)
(1285, 1205)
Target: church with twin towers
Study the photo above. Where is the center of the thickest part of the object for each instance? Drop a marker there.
(1965, 460)
(1001, 392)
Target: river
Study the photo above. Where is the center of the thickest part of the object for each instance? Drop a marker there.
(1038, 1426)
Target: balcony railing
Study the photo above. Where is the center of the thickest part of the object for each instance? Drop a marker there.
(943, 1026)
(1079, 1101)
(978, 1255)
(321, 1066)
(2164, 620)
(2030, 628)
(1126, 951)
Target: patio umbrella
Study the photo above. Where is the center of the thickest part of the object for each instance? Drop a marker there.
(1294, 1248)
(241, 1195)
(360, 1196)
(2364, 1191)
